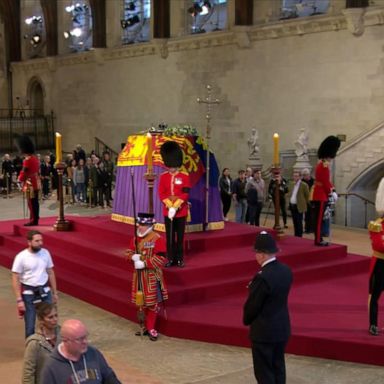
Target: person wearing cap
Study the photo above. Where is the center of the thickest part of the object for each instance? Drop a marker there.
(266, 312)
(148, 257)
(323, 186)
(174, 187)
(376, 278)
(30, 178)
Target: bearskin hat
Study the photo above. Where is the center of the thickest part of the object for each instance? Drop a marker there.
(25, 145)
(328, 148)
(379, 203)
(171, 154)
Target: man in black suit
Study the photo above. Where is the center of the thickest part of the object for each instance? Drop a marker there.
(266, 311)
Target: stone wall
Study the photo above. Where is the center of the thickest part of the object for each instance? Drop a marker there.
(311, 73)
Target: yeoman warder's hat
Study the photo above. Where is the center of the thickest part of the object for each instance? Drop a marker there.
(145, 218)
(328, 148)
(171, 154)
(265, 243)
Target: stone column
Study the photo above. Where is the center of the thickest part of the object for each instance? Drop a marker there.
(62, 25)
(266, 11)
(243, 12)
(113, 27)
(178, 14)
(160, 23)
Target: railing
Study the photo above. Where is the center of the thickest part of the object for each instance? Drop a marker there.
(39, 128)
(101, 147)
(364, 200)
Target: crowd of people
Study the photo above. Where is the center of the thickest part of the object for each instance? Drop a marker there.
(88, 179)
(250, 194)
(310, 200)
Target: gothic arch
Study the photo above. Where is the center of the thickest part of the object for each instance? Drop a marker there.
(364, 184)
(36, 95)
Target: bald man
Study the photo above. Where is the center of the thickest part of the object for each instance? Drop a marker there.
(74, 361)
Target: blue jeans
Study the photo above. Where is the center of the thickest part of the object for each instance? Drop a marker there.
(241, 209)
(30, 311)
(80, 192)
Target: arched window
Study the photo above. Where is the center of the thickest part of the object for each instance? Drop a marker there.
(135, 21)
(302, 8)
(206, 16)
(79, 26)
(36, 98)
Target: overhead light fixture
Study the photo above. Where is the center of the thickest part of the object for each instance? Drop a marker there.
(33, 20)
(195, 10)
(130, 22)
(131, 6)
(77, 32)
(69, 8)
(205, 8)
(36, 39)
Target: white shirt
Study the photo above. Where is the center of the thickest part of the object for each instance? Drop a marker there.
(32, 267)
(293, 199)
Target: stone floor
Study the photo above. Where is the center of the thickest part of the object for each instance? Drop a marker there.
(169, 360)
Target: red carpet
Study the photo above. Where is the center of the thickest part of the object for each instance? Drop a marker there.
(328, 302)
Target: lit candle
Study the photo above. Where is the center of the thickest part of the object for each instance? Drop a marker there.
(149, 153)
(276, 149)
(58, 148)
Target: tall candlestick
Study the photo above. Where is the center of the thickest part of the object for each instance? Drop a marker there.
(58, 148)
(149, 153)
(276, 149)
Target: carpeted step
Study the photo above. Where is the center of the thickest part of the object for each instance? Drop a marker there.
(327, 301)
(97, 292)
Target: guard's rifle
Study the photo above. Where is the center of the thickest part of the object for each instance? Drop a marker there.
(139, 299)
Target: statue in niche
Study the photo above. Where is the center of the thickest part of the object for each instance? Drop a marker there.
(253, 144)
(301, 145)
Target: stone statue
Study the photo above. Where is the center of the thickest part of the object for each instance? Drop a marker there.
(253, 144)
(301, 145)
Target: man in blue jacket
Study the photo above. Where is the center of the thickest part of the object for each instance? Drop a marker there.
(266, 311)
(73, 361)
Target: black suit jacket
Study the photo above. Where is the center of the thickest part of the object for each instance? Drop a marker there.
(266, 309)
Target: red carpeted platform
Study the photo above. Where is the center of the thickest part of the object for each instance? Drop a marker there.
(328, 302)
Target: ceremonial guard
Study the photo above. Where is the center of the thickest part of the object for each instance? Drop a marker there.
(30, 178)
(323, 186)
(148, 253)
(376, 278)
(174, 187)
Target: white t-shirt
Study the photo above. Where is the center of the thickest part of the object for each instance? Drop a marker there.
(32, 267)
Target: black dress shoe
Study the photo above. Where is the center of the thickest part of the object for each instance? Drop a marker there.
(322, 244)
(31, 223)
(180, 263)
(170, 264)
(144, 332)
(374, 330)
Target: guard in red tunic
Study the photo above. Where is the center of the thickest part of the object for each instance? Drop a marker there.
(174, 187)
(323, 187)
(30, 178)
(148, 260)
(376, 278)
